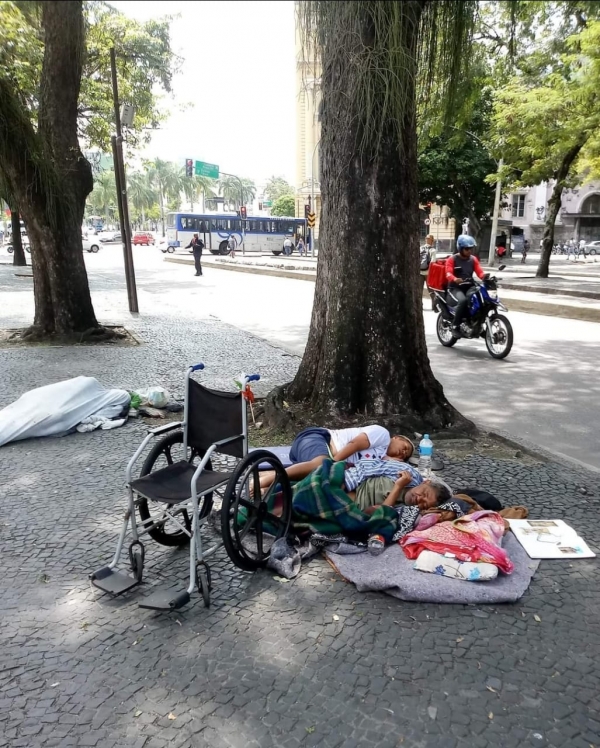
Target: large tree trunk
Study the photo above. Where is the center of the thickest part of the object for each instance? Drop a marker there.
(17, 243)
(554, 203)
(366, 351)
(49, 176)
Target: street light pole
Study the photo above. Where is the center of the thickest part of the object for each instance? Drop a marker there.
(491, 257)
(121, 185)
(233, 176)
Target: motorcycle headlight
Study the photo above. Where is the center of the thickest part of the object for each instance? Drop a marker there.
(492, 293)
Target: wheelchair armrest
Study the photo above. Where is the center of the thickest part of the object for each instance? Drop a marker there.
(165, 428)
(150, 435)
(228, 440)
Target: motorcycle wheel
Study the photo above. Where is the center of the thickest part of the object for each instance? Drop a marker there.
(498, 336)
(444, 332)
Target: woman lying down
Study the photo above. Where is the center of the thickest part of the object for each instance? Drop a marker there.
(376, 496)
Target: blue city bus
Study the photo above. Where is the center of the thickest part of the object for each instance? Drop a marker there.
(254, 234)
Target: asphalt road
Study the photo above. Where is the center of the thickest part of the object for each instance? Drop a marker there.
(546, 392)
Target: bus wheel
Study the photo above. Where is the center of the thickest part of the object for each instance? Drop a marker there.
(276, 252)
(223, 248)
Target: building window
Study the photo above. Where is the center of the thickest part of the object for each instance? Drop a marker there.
(518, 206)
(591, 205)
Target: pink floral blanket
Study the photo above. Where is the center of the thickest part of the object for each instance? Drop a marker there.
(475, 537)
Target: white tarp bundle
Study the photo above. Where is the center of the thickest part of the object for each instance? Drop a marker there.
(56, 409)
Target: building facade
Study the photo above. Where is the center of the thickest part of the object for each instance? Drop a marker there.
(578, 218)
(308, 133)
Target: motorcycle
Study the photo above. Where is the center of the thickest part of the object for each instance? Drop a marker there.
(482, 319)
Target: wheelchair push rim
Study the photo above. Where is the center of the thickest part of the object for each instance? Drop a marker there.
(250, 521)
(163, 531)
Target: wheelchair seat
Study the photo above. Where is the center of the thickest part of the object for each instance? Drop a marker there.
(171, 485)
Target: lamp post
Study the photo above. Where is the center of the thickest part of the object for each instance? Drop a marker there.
(499, 164)
(233, 176)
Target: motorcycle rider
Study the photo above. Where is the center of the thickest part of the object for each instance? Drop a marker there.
(459, 274)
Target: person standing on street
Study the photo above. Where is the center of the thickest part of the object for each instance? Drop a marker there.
(231, 245)
(571, 248)
(582, 248)
(427, 255)
(300, 246)
(288, 246)
(197, 245)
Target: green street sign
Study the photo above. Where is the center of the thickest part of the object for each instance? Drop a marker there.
(206, 170)
(267, 203)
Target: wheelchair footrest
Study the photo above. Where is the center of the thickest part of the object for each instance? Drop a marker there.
(171, 599)
(110, 580)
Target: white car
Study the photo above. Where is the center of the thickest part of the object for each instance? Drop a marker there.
(593, 248)
(90, 244)
(164, 247)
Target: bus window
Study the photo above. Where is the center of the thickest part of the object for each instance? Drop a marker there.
(170, 220)
(203, 227)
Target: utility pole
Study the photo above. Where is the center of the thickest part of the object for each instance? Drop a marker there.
(233, 176)
(121, 183)
(492, 257)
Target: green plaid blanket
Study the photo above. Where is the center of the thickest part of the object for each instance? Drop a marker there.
(320, 504)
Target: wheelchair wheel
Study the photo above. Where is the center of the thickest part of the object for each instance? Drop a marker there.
(250, 523)
(166, 452)
(204, 582)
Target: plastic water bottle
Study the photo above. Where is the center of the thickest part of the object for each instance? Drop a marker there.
(376, 545)
(425, 453)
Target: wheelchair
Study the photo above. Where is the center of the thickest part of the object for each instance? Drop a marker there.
(172, 498)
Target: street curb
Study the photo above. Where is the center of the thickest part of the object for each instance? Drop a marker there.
(254, 270)
(550, 291)
(543, 454)
(584, 314)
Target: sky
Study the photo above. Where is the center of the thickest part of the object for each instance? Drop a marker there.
(233, 103)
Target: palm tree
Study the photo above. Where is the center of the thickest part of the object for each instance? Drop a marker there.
(168, 181)
(103, 197)
(237, 194)
(366, 351)
(141, 193)
(195, 186)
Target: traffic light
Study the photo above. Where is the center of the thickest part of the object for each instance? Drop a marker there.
(260, 206)
(243, 212)
(306, 211)
(189, 167)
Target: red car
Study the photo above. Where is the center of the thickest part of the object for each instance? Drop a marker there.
(143, 237)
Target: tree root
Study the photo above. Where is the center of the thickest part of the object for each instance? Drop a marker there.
(284, 414)
(92, 335)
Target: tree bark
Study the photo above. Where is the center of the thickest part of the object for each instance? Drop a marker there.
(18, 252)
(366, 350)
(49, 176)
(554, 203)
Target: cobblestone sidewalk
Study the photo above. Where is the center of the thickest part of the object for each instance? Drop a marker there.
(304, 663)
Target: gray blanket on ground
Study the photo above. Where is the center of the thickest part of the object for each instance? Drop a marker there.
(393, 573)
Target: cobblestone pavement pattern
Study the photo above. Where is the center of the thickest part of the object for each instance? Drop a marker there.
(310, 662)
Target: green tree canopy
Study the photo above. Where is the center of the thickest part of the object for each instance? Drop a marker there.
(547, 123)
(276, 187)
(145, 65)
(285, 205)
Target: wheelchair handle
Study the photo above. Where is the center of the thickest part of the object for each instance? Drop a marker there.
(197, 367)
(252, 377)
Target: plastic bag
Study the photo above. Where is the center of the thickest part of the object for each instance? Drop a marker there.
(158, 397)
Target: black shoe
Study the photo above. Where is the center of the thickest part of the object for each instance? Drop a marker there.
(197, 274)
(456, 332)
